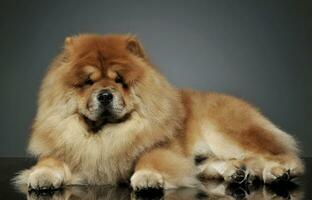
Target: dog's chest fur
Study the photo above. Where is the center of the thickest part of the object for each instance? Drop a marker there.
(106, 157)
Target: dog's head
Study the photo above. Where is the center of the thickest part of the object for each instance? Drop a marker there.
(99, 73)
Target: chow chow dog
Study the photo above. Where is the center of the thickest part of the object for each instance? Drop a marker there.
(106, 115)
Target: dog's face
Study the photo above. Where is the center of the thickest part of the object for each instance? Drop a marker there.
(101, 73)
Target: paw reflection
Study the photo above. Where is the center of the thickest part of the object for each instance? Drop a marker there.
(210, 190)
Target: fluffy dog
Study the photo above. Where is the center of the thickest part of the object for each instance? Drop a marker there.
(106, 115)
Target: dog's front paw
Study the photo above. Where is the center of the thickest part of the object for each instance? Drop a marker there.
(45, 178)
(144, 179)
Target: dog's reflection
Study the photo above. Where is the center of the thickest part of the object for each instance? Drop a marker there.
(211, 190)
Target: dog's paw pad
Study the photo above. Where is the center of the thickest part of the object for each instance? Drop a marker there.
(144, 179)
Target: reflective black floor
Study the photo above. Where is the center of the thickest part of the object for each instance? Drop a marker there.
(300, 189)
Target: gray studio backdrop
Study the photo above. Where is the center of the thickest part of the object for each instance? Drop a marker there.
(257, 50)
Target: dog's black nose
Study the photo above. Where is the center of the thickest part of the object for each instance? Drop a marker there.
(105, 97)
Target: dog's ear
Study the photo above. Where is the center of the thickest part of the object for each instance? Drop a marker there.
(69, 41)
(68, 45)
(134, 46)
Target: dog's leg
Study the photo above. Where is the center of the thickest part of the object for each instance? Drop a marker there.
(267, 168)
(230, 170)
(162, 168)
(48, 173)
(270, 168)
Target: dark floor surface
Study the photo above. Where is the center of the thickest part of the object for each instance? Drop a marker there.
(300, 189)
